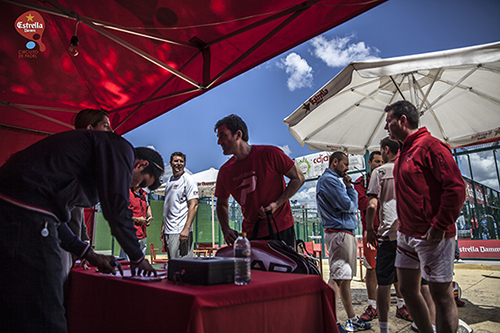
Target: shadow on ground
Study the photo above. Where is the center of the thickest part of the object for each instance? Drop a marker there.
(473, 314)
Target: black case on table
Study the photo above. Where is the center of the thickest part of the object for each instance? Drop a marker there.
(201, 270)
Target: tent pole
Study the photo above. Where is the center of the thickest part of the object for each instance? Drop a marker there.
(213, 223)
(496, 166)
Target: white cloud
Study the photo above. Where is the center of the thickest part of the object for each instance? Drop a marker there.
(299, 71)
(307, 195)
(483, 168)
(339, 52)
(286, 149)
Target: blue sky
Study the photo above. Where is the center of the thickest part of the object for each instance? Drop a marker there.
(267, 94)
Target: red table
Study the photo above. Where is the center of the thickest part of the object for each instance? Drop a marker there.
(272, 302)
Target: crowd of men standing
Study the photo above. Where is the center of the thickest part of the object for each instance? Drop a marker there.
(418, 194)
(419, 190)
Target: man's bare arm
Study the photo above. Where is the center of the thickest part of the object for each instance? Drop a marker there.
(192, 208)
(371, 210)
(297, 179)
(222, 209)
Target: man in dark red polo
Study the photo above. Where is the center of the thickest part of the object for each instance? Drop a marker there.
(430, 192)
(369, 254)
(141, 214)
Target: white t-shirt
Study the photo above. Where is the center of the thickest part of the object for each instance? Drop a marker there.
(382, 186)
(175, 209)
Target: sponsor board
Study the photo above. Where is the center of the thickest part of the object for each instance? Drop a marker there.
(481, 249)
(480, 197)
(313, 165)
(31, 26)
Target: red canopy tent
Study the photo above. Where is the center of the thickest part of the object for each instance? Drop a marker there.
(138, 59)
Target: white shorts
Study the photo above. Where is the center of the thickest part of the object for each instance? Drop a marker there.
(435, 259)
(342, 255)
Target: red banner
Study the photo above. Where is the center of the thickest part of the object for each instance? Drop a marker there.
(479, 193)
(479, 248)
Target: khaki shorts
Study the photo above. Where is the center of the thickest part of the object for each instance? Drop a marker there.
(342, 248)
(435, 259)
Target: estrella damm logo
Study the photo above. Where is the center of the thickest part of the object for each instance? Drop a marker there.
(31, 25)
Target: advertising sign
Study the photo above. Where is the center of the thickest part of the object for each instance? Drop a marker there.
(479, 248)
(470, 193)
(313, 165)
(31, 26)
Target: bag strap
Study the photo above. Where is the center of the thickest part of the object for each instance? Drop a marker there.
(272, 234)
(255, 230)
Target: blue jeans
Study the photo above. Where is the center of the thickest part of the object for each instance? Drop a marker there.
(31, 289)
(143, 243)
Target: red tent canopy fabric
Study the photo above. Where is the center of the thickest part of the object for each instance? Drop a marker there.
(138, 59)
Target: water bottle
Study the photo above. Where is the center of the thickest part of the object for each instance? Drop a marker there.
(242, 260)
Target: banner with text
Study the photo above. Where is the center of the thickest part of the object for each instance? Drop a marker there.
(313, 165)
(479, 248)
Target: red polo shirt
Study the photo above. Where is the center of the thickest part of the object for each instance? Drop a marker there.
(139, 205)
(363, 204)
(430, 189)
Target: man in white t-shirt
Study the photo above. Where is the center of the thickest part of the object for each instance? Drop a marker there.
(179, 210)
(381, 192)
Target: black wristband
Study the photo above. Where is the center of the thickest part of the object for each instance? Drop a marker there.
(138, 262)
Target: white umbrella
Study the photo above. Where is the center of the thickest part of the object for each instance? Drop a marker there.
(457, 93)
(206, 186)
(206, 181)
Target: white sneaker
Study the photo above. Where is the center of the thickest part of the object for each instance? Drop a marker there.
(463, 327)
(415, 328)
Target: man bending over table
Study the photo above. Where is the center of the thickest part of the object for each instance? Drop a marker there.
(39, 187)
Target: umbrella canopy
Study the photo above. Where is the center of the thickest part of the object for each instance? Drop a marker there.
(457, 94)
(206, 183)
(137, 59)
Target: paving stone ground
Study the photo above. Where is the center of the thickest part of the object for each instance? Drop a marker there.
(480, 283)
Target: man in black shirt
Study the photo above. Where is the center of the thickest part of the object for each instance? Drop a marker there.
(39, 186)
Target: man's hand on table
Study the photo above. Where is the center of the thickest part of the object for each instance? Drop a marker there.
(143, 268)
(104, 263)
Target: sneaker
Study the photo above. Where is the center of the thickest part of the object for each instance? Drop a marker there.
(341, 329)
(415, 328)
(403, 313)
(463, 327)
(360, 325)
(370, 314)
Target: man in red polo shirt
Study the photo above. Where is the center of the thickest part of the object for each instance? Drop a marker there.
(430, 192)
(253, 176)
(369, 254)
(141, 211)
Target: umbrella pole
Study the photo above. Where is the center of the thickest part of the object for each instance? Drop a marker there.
(213, 229)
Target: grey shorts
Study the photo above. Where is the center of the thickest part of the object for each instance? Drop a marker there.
(342, 248)
(176, 249)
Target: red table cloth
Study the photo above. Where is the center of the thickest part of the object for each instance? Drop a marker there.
(272, 302)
